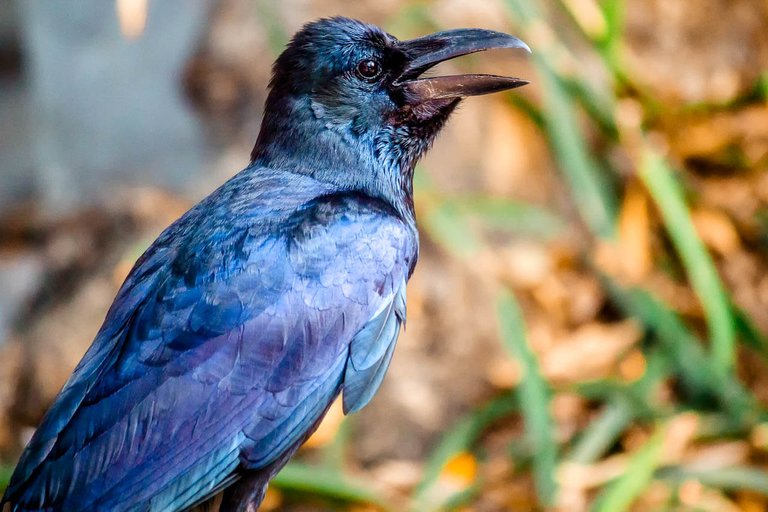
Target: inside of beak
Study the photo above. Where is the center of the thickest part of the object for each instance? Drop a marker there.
(457, 86)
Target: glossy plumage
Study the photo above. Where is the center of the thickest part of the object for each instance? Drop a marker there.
(244, 320)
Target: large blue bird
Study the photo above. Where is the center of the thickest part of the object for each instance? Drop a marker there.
(249, 315)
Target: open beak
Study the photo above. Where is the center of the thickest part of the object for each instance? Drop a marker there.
(425, 52)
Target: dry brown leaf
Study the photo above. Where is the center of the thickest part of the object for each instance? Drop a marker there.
(700, 498)
(717, 455)
(716, 230)
(511, 151)
(552, 295)
(272, 500)
(456, 475)
(590, 352)
(680, 432)
(632, 367)
(634, 249)
(750, 501)
(759, 437)
(526, 264)
(589, 476)
(629, 258)
(504, 373)
(400, 475)
(569, 298)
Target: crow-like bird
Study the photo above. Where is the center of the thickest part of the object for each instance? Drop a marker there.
(248, 316)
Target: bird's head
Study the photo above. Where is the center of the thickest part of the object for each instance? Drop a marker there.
(355, 93)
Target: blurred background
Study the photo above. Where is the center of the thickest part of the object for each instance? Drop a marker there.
(588, 324)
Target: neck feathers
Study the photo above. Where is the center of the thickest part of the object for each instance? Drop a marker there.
(377, 161)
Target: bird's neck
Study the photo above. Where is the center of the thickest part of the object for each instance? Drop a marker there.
(293, 138)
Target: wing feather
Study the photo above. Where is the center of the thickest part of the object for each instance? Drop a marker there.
(222, 355)
(370, 353)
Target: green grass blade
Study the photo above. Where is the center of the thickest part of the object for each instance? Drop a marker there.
(610, 46)
(761, 87)
(446, 224)
(606, 41)
(641, 396)
(591, 28)
(411, 20)
(698, 377)
(334, 453)
(321, 481)
(5, 477)
(534, 396)
(657, 370)
(527, 107)
(460, 500)
(669, 198)
(272, 24)
(508, 215)
(598, 106)
(619, 495)
(738, 478)
(458, 439)
(592, 191)
(749, 333)
(682, 346)
(602, 433)
(613, 11)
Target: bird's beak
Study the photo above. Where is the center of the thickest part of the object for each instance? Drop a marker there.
(425, 52)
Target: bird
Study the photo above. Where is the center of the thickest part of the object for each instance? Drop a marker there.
(282, 290)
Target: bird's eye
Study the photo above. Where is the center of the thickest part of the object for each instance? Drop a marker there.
(368, 69)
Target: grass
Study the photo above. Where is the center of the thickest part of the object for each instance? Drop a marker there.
(327, 483)
(658, 178)
(591, 191)
(570, 114)
(597, 438)
(5, 476)
(619, 494)
(574, 116)
(534, 395)
(461, 438)
(738, 478)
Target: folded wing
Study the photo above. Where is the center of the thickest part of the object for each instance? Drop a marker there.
(222, 355)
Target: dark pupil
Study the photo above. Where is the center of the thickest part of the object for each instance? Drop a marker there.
(368, 68)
